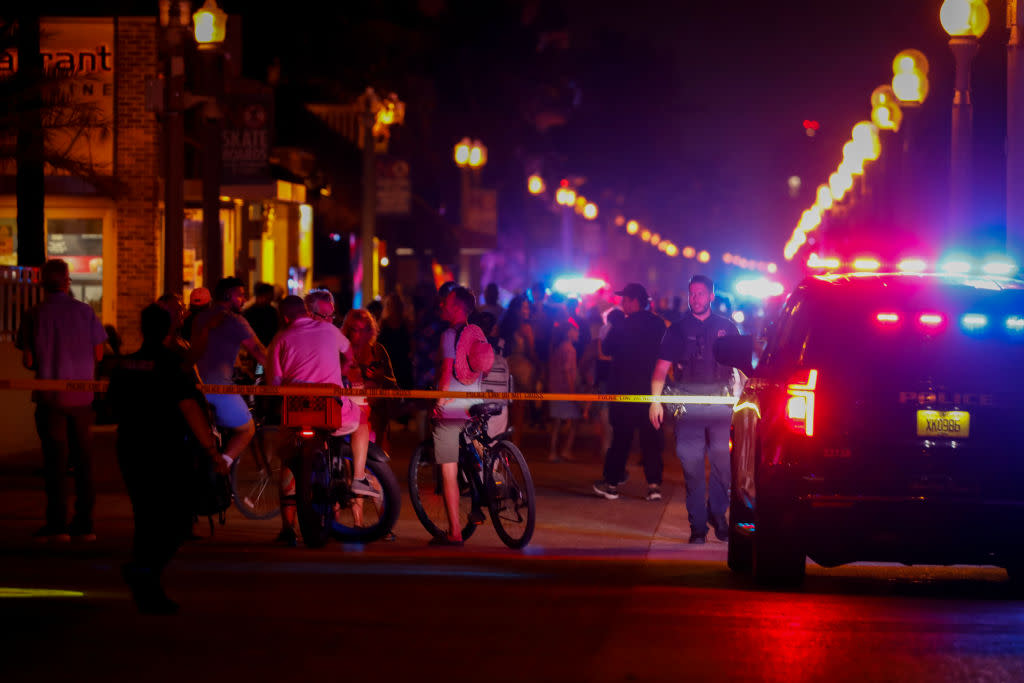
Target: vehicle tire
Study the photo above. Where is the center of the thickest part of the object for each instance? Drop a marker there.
(314, 504)
(740, 557)
(778, 558)
(427, 498)
(511, 497)
(255, 481)
(360, 519)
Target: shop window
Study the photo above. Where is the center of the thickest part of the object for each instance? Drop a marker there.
(8, 241)
(79, 241)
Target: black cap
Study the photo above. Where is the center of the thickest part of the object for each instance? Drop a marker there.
(634, 290)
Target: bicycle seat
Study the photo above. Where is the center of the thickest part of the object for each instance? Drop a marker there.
(485, 409)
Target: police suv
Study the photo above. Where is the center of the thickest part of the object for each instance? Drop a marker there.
(881, 424)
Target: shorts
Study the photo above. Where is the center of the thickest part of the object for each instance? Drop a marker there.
(446, 440)
(230, 410)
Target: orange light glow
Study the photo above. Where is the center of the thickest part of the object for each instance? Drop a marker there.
(655, 239)
(704, 257)
(689, 252)
(645, 235)
(866, 263)
(535, 184)
(632, 227)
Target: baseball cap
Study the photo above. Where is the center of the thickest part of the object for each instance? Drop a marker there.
(634, 290)
(200, 296)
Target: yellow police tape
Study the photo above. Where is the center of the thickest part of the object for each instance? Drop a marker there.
(307, 390)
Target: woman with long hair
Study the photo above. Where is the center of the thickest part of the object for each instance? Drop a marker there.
(371, 370)
(517, 334)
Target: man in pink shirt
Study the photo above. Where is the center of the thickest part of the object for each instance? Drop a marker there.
(311, 351)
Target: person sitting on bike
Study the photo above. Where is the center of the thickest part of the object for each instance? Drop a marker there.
(450, 414)
(219, 334)
(310, 351)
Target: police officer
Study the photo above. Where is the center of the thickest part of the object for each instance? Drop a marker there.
(687, 349)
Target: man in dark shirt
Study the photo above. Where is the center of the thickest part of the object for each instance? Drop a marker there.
(633, 347)
(162, 426)
(262, 316)
(687, 350)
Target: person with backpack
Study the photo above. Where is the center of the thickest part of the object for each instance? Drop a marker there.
(162, 423)
(465, 356)
(499, 378)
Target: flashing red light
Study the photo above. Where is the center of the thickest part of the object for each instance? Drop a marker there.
(800, 404)
(307, 433)
(810, 124)
(564, 183)
(888, 318)
(931, 321)
(866, 263)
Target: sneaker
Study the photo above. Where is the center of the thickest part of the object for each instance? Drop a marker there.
(625, 478)
(82, 531)
(362, 487)
(697, 539)
(608, 491)
(722, 533)
(50, 534)
(653, 492)
(287, 538)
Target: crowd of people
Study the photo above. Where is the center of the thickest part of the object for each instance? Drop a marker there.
(443, 339)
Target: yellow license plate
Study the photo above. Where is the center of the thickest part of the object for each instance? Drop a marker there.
(954, 424)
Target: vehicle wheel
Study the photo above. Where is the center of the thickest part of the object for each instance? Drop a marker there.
(777, 557)
(741, 552)
(427, 497)
(511, 497)
(359, 519)
(255, 481)
(314, 504)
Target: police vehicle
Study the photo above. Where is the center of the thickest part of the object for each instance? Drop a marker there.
(883, 422)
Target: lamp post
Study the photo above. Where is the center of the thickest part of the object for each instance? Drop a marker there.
(376, 117)
(210, 24)
(566, 198)
(910, 88)
(174, 22)
(1014, 132)
(470, 156)
(965, 21)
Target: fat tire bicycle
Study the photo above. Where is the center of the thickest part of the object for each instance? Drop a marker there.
(492, 474)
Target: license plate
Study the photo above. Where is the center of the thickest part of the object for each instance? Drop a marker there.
(949, 423)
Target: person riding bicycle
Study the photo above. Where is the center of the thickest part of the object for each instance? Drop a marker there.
(311, 351)
(461, 343)
(218, 335)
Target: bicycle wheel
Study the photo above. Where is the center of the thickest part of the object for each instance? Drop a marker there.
(427, 498)
(512, 501)
(314, 500)
(360, 519)
(255, 481)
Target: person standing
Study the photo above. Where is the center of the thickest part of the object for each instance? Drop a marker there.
(62, 338)
(687, 350)
(563, 378)
(491, 304)
(633, 347)
(199, 301)
(162, 426)
(262, 315)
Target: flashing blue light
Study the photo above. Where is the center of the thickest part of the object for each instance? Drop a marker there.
(574, 285)
(972, 322)
(1015, 324)
(1000, 267)
(957, 265)
(759, 288)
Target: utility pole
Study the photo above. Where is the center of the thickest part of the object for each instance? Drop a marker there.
(1014, 133)
(174, 143)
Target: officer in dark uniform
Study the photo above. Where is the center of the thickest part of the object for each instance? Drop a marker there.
(687, 349)
(162, 427)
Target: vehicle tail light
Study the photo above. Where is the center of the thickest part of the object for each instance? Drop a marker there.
(888, 318)
(800, 402)
(307, 433)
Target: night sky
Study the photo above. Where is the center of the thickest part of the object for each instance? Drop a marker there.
(689, 113)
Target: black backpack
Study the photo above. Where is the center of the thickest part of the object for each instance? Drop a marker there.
(211, 490)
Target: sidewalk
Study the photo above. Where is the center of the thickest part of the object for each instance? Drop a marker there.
(572, 522)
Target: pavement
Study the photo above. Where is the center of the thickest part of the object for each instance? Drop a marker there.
(572, 521)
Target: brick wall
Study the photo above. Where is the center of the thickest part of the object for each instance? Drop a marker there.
(137, 140)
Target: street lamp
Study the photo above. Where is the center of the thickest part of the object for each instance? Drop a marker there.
(209, 25)
(565, 196)
(965, 21)
(535, 184)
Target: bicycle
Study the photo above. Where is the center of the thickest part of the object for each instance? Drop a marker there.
(322, 465)
(256, 473)
(492, 473)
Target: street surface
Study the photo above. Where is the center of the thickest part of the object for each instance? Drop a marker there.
(607, 591)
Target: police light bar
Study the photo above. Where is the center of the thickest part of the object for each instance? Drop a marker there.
(760, 288)
(578, 286)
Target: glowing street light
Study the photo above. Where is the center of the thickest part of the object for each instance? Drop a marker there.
(210, 23)
(704, 257)
(632, 227)
(655, 239)
(965, 21)
(565, 196)
(470, 154)
(535, 184)
(590, 211)
(910, 77)
(689, 252)
(645, 235)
